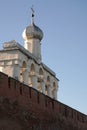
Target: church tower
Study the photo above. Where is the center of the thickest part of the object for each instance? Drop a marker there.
(32, 36)
(25, 63)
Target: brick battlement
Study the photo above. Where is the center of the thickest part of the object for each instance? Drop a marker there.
(43, 106)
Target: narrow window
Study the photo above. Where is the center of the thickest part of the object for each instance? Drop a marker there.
(53, 104)
(15, 84)
(9, 84)
(38, 99)
(45, 101)
(21, 90)
(30, 92)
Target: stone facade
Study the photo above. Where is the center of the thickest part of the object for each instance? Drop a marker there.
(25, 63)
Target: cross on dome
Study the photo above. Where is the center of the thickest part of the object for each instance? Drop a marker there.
(32, 20)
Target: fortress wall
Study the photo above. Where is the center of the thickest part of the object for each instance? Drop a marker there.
(43, 106)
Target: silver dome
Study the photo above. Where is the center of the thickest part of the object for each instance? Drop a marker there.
(32, 31)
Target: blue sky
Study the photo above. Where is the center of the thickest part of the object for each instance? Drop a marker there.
(64, 46)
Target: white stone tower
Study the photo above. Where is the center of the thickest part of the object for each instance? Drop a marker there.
(25, 63)
(32, 36)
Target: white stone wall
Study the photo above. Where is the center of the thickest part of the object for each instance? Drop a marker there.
(20, 66)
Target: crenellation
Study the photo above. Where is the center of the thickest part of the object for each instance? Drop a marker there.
(31, 99)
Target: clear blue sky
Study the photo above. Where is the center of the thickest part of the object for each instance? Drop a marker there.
(64, 46)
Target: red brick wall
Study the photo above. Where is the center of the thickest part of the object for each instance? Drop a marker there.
(43, 113)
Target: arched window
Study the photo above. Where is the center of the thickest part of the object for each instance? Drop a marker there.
(32, 69)
(31, 74)
(48, 80)
(24, 64)
(53, 90)
(54, 84)
(46, 90)
(40, 79)
(22, 71)
(40, 71)
(47, 85)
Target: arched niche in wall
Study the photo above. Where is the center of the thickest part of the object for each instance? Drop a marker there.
(23, 71)
(53, 90)
(40, 79)
(47, 85)
(31, 74)
(32, 69)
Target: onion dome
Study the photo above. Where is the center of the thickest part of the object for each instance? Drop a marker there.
(32, 31)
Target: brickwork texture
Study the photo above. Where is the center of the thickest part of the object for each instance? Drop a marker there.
(22, 107)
